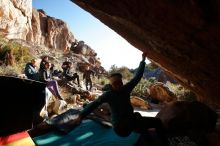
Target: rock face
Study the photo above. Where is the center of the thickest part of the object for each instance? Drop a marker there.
(15, 18)
(20, 21)
(82, 48)
(51, 32)
(180, 36)
(88, 57)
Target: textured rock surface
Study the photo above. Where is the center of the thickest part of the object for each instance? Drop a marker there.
(161, 93)
(183, 116)
(51, 32)
(15, 18)
(18, 20)
(45, 34)
(88, 56)
(180, 36)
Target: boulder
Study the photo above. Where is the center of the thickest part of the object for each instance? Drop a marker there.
(138, 102)
(161, 93)
(184, 116)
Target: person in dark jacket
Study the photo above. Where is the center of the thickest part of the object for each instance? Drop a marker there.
(68, 74)
(124, 119)
(31, 70)
(46, 77)
(87, 77)
(55, 72)
(43, 61)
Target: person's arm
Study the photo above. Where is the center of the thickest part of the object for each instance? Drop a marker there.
(138, 75)
(44, 76)
(31, 72)
(93, 105)
(68, 73)
(28, 70)
(93, 73)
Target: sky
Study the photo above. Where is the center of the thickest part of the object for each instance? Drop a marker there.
(111, 48)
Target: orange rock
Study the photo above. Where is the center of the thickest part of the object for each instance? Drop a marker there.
(138, 102)
(161, 92)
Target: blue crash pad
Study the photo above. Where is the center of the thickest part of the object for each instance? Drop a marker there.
(88, 133)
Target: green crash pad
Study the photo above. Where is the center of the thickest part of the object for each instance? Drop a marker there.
(88, 133)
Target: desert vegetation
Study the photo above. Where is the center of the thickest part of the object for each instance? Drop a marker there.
(142, 89)
(13, 57)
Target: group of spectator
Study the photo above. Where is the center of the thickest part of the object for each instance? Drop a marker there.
(46, 72)
(67, 65)
(43, 75)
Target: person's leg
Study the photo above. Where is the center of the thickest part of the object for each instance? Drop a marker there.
(142, 124)
(76, 77)
(69, 78)
(90, 84)
(50, 87)
(123, 128)
(53, 87)
(87, 82)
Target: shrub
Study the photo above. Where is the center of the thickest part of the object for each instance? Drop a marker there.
(142, 88)
(10, 70)
(21, 53)
(3, 51)
(181, 93)
(21, 56)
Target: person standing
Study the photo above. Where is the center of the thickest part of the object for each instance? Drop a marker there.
(87, 77)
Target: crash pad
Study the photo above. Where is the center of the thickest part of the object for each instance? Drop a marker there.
(17, 139)
(88, 133)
